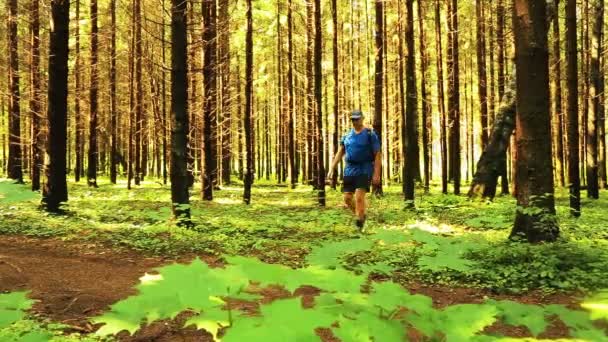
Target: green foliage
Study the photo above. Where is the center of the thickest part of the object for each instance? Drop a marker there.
(11, 193)
(530, 316)
(598, 305)
(12, 307)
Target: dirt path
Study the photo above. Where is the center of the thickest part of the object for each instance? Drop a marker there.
(74, 281)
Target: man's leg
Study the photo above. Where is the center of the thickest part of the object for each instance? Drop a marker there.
(360, 207)
(348, 201)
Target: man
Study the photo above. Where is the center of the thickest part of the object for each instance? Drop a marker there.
(363, 160)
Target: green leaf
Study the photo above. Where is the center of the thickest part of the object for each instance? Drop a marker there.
(597, 305)
(578, 322)
(463, 321)
(369, 327)
(212, 320)
(329, 255)
(12, 307)
(388, 296)
(530, 316)
(282, 320)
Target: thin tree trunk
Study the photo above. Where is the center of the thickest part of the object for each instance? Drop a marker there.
(209, 175)
(410, 128)
(427, 119)
(558, 113)
(138, 94)
(592, 131)
(35, 98)
(378, 79)
(248, 104)
(453, 96)
(226, 114)
(291, 99)
(318, 56)
(113, 110)
(55, 189)
(165, 122)
(500, 37)
(335, 55)
(533, 125)
(15, 170)
(93, 152)
(572, 109)
(179, 110)
(441, 99)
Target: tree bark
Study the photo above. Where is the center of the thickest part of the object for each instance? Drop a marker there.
(93, 148)
(453, 96)
(378, 79)
(249, 170)
(410, 129)
(335, 56)
(441, 100)
(594, 94)
(572, 109)
(558, 113)
(427, 118)
(291, 98)
(179, 111)
(318, 56)
(113, 109)
(35, 98)
(482, 79)
(55, 188)
(226, 114)
(138, 94)
(209, 176)
(15, 170)
(535, 217)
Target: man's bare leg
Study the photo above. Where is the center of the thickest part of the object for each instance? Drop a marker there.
(360, 207)
(348, 201)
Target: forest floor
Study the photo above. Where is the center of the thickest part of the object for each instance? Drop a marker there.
(443, 271)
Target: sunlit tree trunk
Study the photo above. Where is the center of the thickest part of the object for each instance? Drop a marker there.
(93, 104)
(15, 170)
(35, 97)
(249, 143)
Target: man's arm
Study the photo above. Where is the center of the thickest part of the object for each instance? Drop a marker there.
(377, 167)
(336, 160)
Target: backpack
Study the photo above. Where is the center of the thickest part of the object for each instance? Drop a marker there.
(370, 155)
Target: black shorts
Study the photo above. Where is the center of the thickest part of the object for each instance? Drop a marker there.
(352, 183)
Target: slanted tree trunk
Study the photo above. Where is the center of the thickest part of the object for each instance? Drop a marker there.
(535, 217)
(209, 176)
(249, 170)
(594, 94)
(378, 79)
(15, 170)
(179, 110)
(93, 151)
(410, 129)
(55, 186)
(493, 160)
(35, 98)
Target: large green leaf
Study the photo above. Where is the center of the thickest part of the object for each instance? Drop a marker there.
(513, 313)
(12, 307)
(329, 254)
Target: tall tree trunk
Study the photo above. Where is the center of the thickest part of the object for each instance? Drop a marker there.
(179, 111)
(410, 129)
(602, 122)
(441, 99)
(558, 113)
(291, 98)
(138, 93)
(318, 56)
(15, 170)
(55, 187)
(535, 217)
(35, 98)
(226, 114)
(592, 131)
(500, 37)
(209, 176)
(572, 109)
(248, 181)
(310, 97)
(130, 147)
(93, 152)
(113, 110)
(427, 119)
(482, 80)
(335, 56)
(165, 122)
(378, 79)
(453, 96)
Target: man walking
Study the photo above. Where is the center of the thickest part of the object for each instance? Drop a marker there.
(363, 160)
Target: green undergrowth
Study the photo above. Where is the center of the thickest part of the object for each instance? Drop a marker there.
(16, 326)
(354, 308)
(447, 240)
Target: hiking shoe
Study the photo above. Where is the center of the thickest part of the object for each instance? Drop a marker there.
(360, 224)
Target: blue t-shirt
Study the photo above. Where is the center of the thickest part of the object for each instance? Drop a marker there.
(360, 150)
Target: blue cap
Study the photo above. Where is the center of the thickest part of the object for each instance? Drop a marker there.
(356, 114)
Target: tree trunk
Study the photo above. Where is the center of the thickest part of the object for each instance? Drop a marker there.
(427, 118)
(165, 122)
(594, 94)
(179, 110)
(55, 188)
(441, 100)
(318, 56)
(572, 109)
(500, 37)
(378, 79)
(93, 152)
(335, 55)
(35, 98)
(15, 170)
(558, 113)
(482, 80)
(453, 96)
(535, 217)
(248, 181)
(113, 110)
(410, 129)
(209, 175)
(291, 99)
(138, 93)
(226, 114)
